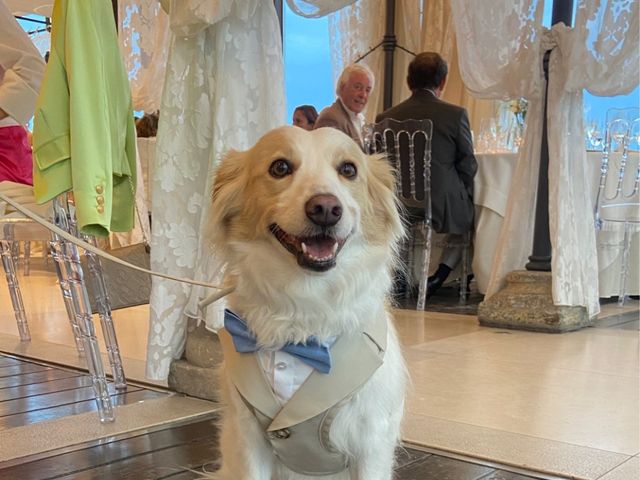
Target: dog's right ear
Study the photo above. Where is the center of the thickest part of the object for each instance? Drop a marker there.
(227, 194)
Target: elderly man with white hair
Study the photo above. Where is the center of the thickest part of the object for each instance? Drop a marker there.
(345, 114)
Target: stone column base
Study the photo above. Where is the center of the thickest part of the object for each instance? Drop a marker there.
(196, 374)
(526, 303)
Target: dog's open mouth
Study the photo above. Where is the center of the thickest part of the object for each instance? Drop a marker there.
(316, 252)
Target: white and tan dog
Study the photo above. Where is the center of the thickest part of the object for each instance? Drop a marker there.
(308, 226)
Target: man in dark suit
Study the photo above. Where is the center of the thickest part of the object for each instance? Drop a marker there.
(453, 164)
(345, 114)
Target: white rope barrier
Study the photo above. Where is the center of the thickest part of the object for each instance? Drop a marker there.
(223, 291)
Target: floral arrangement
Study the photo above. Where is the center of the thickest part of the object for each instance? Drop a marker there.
(519, 108)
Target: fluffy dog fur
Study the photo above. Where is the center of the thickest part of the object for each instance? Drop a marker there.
(285, 300)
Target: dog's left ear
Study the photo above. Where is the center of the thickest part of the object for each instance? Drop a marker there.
(227, 196)
(381, 184)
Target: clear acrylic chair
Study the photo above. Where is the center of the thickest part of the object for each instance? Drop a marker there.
(72, 281)
(14, 227)
(408, 146)
(617, 207)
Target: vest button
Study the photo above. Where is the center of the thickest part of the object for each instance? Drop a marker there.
(280, 434)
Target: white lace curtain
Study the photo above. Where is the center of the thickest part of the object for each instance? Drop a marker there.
(354, 31)
(144, 39)
(501, 45)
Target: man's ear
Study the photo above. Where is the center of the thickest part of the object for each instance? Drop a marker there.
(442, 84)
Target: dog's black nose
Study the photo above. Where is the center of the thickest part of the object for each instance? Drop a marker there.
(324, 210)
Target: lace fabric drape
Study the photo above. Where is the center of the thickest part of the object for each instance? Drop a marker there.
(144, 39)
(501, 46)
(438, 35)
(223, 90)
(354, 31)
(317, 8)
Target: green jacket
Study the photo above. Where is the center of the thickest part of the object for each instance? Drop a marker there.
(84, 132)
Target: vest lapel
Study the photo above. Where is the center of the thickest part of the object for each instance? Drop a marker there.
(248, 377)
(355, 358)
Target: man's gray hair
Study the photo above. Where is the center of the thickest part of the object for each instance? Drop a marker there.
(348, 70)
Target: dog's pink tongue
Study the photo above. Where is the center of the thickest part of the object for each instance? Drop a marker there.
(320, 247)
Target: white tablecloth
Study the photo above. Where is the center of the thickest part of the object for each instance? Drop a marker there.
(492, 184)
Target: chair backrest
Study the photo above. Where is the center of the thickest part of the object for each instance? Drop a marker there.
(408, 146)
(618, 198)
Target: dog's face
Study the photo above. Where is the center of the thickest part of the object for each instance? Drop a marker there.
(302, 200)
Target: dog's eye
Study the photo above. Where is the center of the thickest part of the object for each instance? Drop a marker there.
(280, 168)
(348, 170)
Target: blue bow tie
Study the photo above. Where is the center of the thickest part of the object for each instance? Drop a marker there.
(312, 353)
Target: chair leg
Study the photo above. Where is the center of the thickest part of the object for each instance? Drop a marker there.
(409, 244)
(14, 289)
(84, 318)
(27, 258)
(424, 270)
(63, 281)
(106, 320)
(624, 268)
(15, 252)
(45, 253)
(465, 270)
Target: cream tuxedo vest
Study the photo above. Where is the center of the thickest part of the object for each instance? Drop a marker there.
(299, 431)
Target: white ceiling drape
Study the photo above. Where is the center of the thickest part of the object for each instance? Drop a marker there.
(501, 46)
(317, 8)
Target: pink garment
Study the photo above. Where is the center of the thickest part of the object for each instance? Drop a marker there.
(16, 162)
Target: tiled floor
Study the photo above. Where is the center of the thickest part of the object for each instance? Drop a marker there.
(563, 404)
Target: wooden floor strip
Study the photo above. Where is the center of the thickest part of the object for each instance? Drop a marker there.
(104, 454)
(21, 369)
(52, 413)
(57, 385)
(6, 361)
(156, 464)
(56, 399)
(38, 377)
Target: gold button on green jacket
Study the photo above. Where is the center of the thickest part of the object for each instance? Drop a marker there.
(84, 132)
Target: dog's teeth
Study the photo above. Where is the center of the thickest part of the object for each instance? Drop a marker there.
(304, 248)
(334, 249)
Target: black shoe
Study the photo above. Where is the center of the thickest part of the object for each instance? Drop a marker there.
(435, 281)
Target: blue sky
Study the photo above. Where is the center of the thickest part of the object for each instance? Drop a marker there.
(308, 76)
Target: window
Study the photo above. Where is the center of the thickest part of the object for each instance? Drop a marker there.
(307, 62)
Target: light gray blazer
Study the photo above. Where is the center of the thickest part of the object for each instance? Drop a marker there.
(336, 116)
